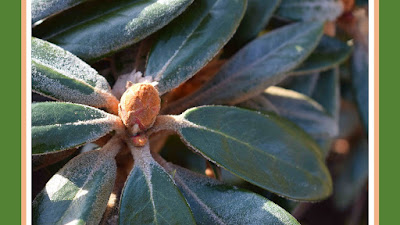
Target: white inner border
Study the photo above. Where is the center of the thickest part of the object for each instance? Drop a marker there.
(371, 112)
(28, 115)
(371, 179)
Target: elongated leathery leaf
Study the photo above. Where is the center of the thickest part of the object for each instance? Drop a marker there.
(44, 8)
(215, 203)
(79, 192)
(192, 40)
(359, 78)
(327, 92)
(92, 31)
(260, 64)
(265, 150)
(310, 9)
(257, 16)
(58, 126)
(298, 108)
(329, 53)
(303, 84)
(150, 195)
(59, 74)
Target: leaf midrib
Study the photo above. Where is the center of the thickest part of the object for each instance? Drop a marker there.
(194, 195)
(112, 11)
(256, 149)
(74, 123)
(95, 169)
(169, 61)
(67, 75)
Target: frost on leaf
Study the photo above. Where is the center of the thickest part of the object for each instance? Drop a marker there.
(216, 203)
(79, 191)
(59, 126)
(150, 187)
(61, 75)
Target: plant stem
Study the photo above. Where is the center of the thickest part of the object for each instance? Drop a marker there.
(112, 104)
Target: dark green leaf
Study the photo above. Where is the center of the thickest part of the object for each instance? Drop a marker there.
(262, 63)
(59, 126)
(359, 77)
(94, 30)
(79, 192)
(265, 150)
(215, 203)
(150, 195)
(298, 108)
(307, 10)
(43, 8)
(192, 40)
(303, 84)
(329, 53)
(327, 92)
(60, 75)
(255, 20)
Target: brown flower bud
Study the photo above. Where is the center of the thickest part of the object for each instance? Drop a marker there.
(139, 107)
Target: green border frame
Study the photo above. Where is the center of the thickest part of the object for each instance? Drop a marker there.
(389, 81)
(10, 58)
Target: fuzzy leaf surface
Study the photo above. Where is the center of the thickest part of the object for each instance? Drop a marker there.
(60, 75)
(41, 9)
(192, 40)
(260, 64)
(213, 202)
(59, 126)
(307, 10)
(265, 150)
(329, 53)
(78, 193)
(298, 108)
(151, 197)
(257, 16)
(92, 31)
